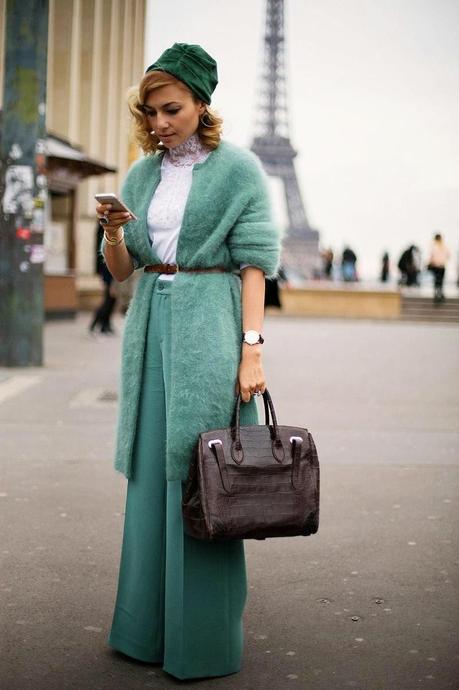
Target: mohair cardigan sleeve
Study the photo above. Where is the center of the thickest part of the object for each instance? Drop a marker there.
(227, 221)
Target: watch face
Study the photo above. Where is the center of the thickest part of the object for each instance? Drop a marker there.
(251, 337)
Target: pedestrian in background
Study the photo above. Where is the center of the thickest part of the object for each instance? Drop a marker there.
(327, 259)
(409, 266)
(385, 268)
(205, 239)
(103, 313)
(272, 294)
(439, 257)
(349, 265)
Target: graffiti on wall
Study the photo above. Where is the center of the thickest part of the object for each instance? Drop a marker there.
(18, 191)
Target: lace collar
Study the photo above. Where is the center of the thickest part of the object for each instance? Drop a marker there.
(189, 152)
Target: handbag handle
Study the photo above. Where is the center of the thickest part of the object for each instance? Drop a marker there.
(266, 406)
(265, 402)
(237, 453)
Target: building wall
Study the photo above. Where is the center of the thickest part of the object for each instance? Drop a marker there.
(96, 52)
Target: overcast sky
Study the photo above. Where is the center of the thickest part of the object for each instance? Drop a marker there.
(374, 109)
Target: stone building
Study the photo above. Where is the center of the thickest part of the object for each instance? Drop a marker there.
(95, 53)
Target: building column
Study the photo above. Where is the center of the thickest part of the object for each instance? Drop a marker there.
(74, 76)
(126, 82)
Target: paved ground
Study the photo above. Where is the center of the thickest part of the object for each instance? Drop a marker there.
(370, 602)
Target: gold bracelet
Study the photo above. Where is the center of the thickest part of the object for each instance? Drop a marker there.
(113, 241)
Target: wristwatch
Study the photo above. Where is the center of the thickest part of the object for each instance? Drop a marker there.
(252, 338)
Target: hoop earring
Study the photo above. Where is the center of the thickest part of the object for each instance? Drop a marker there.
(202, 121)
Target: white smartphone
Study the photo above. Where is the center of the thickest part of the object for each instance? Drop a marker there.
(117, 204)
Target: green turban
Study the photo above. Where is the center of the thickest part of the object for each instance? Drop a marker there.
(192, 65)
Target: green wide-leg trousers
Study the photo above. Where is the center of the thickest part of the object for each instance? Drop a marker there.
(180, 600)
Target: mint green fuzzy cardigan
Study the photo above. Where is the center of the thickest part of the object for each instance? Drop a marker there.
(227, 221)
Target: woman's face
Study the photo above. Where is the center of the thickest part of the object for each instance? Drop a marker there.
(173, 114)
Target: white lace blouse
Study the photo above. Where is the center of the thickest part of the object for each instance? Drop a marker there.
(167, 206)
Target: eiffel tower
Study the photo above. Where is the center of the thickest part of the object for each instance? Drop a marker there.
(300, 253)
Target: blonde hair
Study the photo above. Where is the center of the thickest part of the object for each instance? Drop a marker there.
(209, 133)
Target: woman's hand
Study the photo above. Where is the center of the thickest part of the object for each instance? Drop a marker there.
(116, 219)
(117, 257)
(251, 377)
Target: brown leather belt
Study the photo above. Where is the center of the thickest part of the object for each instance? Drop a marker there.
(173, 268)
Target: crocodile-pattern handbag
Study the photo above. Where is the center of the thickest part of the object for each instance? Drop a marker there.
(252, 482)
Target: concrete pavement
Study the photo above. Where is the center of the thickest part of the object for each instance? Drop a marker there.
(370, 602)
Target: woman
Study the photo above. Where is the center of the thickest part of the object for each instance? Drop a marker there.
(439, 257)
(205, 240)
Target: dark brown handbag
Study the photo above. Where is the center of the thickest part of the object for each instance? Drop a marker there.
(252, 482)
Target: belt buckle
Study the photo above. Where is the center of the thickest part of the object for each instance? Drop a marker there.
(176, 268)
